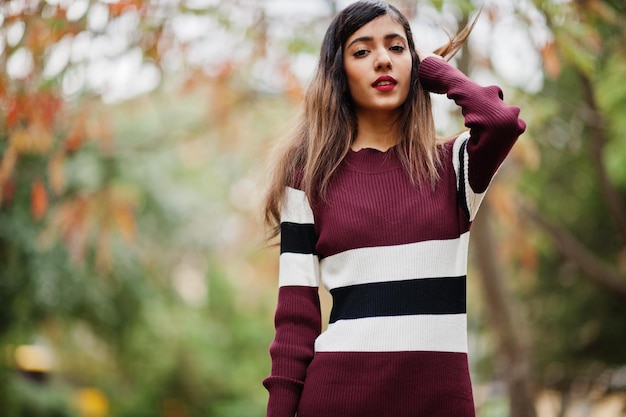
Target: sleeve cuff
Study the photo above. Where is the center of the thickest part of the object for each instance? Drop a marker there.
(436, 74)
(284, 396)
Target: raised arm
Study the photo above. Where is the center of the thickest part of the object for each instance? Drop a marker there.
(494, 125)
(297, 318)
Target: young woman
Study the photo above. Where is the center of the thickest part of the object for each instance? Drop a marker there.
(368, 203)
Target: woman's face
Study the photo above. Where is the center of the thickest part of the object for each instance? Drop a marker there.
(378, 64)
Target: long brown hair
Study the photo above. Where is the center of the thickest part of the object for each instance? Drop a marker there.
(328, 125)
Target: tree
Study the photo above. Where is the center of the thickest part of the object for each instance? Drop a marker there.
(126, 213)
(99, 262)
(576, 198)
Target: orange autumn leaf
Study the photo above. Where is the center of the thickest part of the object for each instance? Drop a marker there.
(107, 136)
(193, 81)
(37, 37)
(48, 106)
(73, 141)
(551, 62)
(39, 200)
(91, 220)
(56, 172)
(3, 88)
(493, 13)
(125, 220)
(529, 257)
(7, 164)
(153, 44)
(33, 139)
(77, 134)
(119, 7)
(98, 128)
(13, 114)
(295, 89)
(20, 141)
(41, 137)
(72, 221)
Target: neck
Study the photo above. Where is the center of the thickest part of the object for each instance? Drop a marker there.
(376, 129)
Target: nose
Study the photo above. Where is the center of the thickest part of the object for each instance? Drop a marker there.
(383, 60)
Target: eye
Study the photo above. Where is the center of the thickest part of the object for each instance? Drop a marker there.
(398, 48)
(360, 53)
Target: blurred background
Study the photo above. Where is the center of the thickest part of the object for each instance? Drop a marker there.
(134, 276)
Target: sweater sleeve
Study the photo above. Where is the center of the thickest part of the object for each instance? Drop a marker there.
(297, 318)
(494, 126)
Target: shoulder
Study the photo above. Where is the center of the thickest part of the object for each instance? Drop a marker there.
(295, 178)
(453, 143)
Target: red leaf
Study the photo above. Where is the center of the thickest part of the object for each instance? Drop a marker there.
(77, 134)
(13, 114)
(8, 192)
(39, 199)
(49, 106)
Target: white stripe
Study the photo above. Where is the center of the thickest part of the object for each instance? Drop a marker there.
(456, 149)
(296, 208)
(429, 259)
(437, 333)
(472, 198)
(473, 202)
(298, 269)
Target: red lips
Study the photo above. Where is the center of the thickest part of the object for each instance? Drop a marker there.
(385, 83)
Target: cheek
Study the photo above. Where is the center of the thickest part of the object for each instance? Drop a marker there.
(353, 74)
(355, 80)
(407, 67)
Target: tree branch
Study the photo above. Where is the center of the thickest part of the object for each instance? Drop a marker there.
(596, 270)
(596, 125)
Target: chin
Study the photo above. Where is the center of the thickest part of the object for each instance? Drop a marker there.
(388, 108)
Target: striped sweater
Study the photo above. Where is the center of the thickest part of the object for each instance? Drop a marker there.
(394, 257)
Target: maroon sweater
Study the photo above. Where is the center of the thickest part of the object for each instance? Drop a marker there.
(394, 258)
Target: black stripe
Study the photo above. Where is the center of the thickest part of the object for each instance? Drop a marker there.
(399, 298)
(462, 192)
(297, 238)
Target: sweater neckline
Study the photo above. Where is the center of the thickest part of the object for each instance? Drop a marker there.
(370, 160)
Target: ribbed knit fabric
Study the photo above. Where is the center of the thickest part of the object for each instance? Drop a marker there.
(394, 257)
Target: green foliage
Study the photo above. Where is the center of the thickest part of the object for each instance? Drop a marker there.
(577, 325)
(124, 326)
(611, 96)
(40, 399)
(202, 359)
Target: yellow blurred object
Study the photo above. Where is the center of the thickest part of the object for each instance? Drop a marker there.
(92, 402)
(31, 358)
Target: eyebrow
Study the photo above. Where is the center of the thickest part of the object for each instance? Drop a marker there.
(371, 39)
